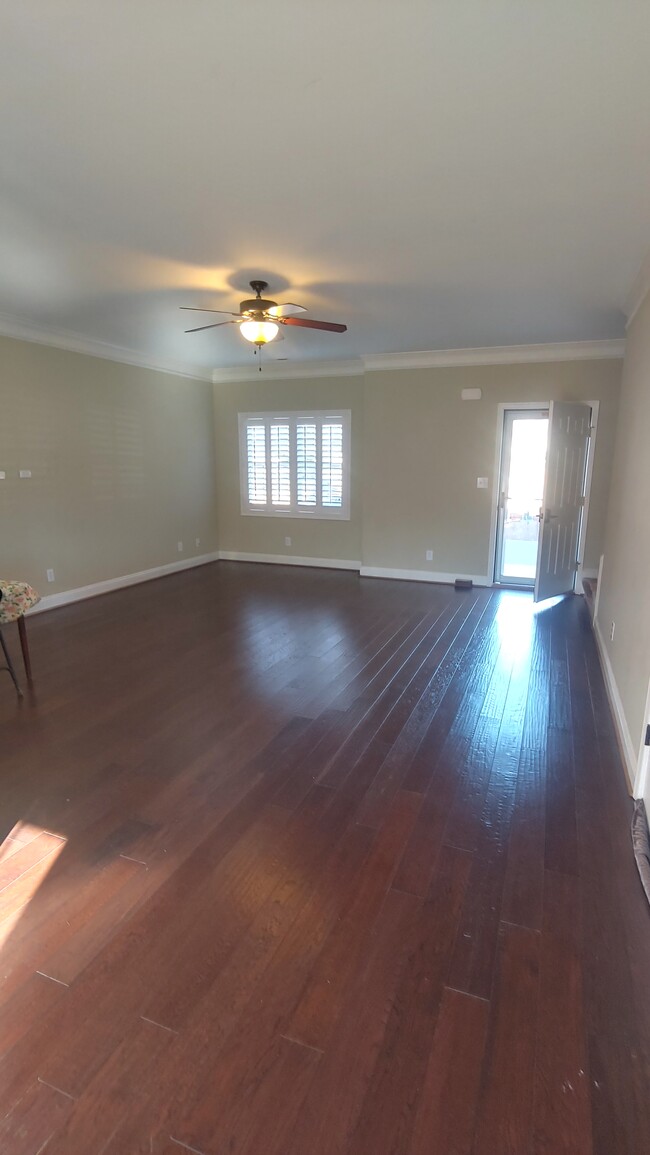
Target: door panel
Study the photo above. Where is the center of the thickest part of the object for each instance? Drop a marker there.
(569, 430)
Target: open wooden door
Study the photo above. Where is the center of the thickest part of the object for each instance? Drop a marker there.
(566, 459)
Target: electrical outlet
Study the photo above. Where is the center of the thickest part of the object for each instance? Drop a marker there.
(179, 546)
(612, 631)
(429, 555)
(49, 573)
(2, 475)
(481, 482)
(287, 541)
(24, 473)
(197, 542)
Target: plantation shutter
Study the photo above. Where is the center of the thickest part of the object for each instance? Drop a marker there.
(332, 465)
(306, 463)
(280, 465)
(256, 459)
(295, 465)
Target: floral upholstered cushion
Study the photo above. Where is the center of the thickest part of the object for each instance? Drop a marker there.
(16, 598)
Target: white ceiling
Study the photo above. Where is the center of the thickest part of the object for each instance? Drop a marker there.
(434, 173)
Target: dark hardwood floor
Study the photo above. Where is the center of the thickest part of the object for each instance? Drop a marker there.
(295, 863)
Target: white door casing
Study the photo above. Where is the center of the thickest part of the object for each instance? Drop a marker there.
(642, 782)
(568, 440)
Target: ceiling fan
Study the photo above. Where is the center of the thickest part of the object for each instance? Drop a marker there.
(259, 319)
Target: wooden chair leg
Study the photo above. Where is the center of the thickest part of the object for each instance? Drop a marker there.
(9, 666)
(22, 630)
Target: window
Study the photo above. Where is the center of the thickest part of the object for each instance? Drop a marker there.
(295, 464)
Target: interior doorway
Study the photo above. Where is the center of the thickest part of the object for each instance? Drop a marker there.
(521, 495)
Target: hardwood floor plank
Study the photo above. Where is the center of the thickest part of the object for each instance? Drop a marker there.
(113, 1092)
(321, 1129)
(18, 1015)
(389, 1109)
(473, 964)
(28, 856)
(319, 1007)
(561, 1115)
(447, 656)
(561, 841)
(29, 1127)
(504, 1116)
(445, 1118)
(267, 1014)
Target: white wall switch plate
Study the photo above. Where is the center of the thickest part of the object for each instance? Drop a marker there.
(24, 473)
(429, 555)
(2, 475)
(179, 546)
(49, 573)
(287, 541)
(481, 482)
(197, 542)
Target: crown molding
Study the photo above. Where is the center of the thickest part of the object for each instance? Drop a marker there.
(429, 359)
(23, 330)
(289, 371)
(638, 292)
(497, 355)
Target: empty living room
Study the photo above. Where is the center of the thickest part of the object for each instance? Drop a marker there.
(324, 555)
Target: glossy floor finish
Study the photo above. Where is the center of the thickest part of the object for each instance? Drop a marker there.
(302, 864)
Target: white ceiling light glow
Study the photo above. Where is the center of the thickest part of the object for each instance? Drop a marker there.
(259, 332)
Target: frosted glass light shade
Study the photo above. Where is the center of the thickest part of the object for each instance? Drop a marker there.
(259, 332)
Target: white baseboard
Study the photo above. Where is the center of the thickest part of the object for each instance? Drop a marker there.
(67, 597)
(423, 575)
(289, 559)
(620, 721)
(581, 575)
(52, 601)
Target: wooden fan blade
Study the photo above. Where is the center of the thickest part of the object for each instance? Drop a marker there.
(328, 326)
(286, 310)
(216, 325)
(192, 309)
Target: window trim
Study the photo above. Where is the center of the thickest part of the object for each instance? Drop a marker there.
(293, 417)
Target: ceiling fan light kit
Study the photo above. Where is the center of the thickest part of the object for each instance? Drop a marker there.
(259, 318)
(259, 332)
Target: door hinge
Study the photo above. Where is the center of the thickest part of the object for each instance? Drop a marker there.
(576, 565)
(647, 735)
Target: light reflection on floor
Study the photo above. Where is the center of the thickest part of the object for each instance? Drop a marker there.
(27, 855)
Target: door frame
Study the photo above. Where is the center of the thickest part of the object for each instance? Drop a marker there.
(500, 515)
(591, 449)
(643, 762)
(492, 547)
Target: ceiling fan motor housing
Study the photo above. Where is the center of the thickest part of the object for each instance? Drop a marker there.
(256, 305)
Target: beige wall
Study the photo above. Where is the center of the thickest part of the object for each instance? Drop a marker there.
(425, 448)
(624, 597)
(122, 463)
(417, 450)
(243, 533)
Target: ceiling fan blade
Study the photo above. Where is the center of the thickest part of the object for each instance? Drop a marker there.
(306, 323)
(286, 310)
(216, 325)
(192, 309)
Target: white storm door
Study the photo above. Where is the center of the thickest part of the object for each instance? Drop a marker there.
(566, 459)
